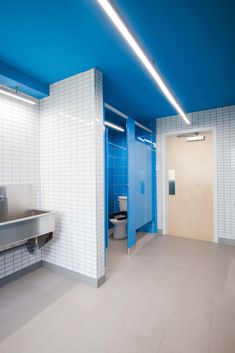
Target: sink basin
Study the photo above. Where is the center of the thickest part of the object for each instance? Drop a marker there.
(18, 220)
(27, 225)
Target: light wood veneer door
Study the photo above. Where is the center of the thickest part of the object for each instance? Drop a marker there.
(190, 210)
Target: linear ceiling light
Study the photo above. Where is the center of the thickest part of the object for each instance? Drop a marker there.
(118, 22)
(114, 126)
(16, 95)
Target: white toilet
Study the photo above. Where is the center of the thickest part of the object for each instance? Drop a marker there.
(119, 219)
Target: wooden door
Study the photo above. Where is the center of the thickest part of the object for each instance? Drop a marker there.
(190, 210)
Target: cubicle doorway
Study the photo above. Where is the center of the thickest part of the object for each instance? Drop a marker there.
(134, 153)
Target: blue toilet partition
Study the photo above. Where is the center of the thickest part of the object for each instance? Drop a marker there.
(143, 184)
(131, 208)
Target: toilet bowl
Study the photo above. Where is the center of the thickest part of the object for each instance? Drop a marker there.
(119, 219)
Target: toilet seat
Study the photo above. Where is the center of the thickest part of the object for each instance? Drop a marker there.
(119, 220)
(119, 215)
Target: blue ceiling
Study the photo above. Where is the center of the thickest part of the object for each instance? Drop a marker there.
(191, 42)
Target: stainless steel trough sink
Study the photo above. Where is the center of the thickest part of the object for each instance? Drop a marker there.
(31, 224)
(18, 220)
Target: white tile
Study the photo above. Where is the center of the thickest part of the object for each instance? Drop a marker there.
(19, 164)
(72, 181)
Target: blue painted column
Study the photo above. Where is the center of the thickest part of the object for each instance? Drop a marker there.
(106, 178)
(154, 185)
(131, 240)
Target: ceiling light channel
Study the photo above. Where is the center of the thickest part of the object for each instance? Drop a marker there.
(17, 95)
(121, 26)
(114, 126)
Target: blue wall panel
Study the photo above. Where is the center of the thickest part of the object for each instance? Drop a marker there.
(143, 184)
(106, 177)
(150, 140)
(131, 183)
(117, 168)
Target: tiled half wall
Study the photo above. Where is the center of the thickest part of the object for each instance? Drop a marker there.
(72, 177)
(58, 147)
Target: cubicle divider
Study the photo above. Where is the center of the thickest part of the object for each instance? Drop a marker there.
(141, 181)
(131, 209)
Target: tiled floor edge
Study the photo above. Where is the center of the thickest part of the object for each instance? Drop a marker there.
(93, 282)
(226, 241)
(20, 273)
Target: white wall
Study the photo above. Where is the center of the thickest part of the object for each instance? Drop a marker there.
(19, 164)
(224, 121)
(72, 172)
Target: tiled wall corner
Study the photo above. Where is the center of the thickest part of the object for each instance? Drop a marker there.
(19, 164)
(224, 121)
(72, 177)
(99, 149)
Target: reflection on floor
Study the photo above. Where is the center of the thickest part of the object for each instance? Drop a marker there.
(143, 239)
(120, 246)
(140, 235)
(174, 296)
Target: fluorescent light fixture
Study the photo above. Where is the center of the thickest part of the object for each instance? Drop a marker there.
(16, 95)
(148, 141)
(196, 138)
(140, 138)
(114, 126)
(151, 143)
(118, 22)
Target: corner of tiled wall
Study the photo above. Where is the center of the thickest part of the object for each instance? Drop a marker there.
(72, 172)
(99, 147)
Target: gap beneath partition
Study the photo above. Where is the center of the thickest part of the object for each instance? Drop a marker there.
(142, 239)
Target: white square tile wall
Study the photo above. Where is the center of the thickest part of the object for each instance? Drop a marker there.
(72, 172)
(224, 121)
(19, 164)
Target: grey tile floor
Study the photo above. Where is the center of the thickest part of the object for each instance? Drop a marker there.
(174, 296)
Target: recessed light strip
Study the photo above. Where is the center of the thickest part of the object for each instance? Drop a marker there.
(118, 22)
(114, 126)
(16, 95)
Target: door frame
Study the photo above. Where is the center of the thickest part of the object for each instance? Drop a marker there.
(164, 184)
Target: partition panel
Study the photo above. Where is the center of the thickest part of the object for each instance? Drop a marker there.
(131, 241)
(143, 184)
